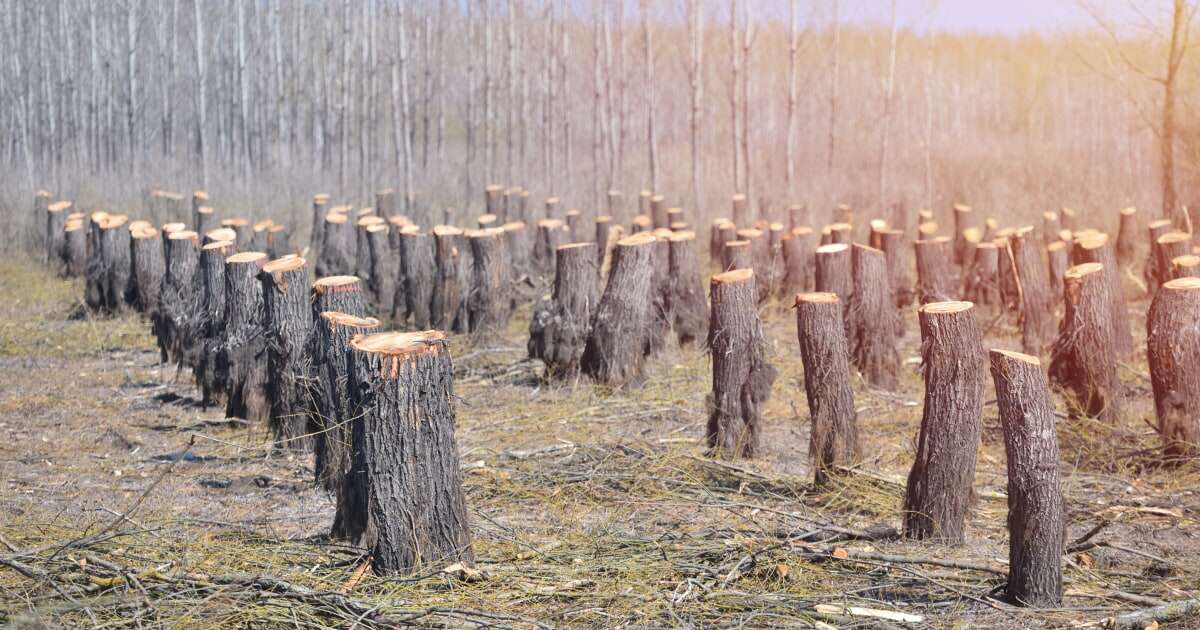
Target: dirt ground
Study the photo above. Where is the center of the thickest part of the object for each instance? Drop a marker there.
(126, 504)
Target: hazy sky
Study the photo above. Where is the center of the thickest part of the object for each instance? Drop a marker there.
(989, 16)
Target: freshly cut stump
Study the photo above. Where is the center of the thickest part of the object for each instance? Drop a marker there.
(1187, 266)
(558, 329)
(658, 213)
(404, 389)
(741, 211)
(1151, 271)
(1097, 249)
(613, 353)
(320, 208)
(1058, 259)
(833, 439)
(742, 376)
(339, 246)
(550, 234)
(835, 274)
(517, 244)
(1083, 361)
(75, 249)
(244, 345)
(179, 299)
(935, 270)
(1127, 238)
(420, 276)
(209, 366)
(148, 268)
(736, 255)
(453, 271)
(798, 253)
(963, 220)
(660, 315)
(1051, 226)
(939, 491)
(341, 294)
(1168, 247)
(115, 251)
(1037, 302)
(487, 303)
(874, 352)
(56, 221)
(1036, 524)
(685, 300)
(289, 321)
(1173, 351)
(381, 285)
(896, 247)
(983, 283)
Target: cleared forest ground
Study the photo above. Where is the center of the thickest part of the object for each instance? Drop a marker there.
(126, 504)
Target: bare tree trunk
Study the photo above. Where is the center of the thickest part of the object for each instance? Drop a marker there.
(889, 88)
(696, 81)
(244, 344)
(685, 298)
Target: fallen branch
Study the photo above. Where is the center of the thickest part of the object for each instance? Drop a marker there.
(1147, 616)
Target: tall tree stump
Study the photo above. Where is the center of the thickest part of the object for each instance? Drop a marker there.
(559, 327)
(1150, 271)
(616, 208)
(798, 249)
(179, 298)
(716, 239)
(550, 234)
(289, 321)
(1173, 351)
(659, 327)
(1051, 226)
(1166, 248)
(896, 250)
(604, 225)
(487, 302)
(964, 218)
(573, 226)
(835, 274)
(453, 259)
(1097, 249)
(658, 213)
(362, 256)
(492, 197)
(517, 244)
(1186, 266)
(381, 274)
(385, 202)
(320, 208)
(742, 376)
(1037, 302)
(1127, 236)
(935, 273)
(339, 246)
(737, 255)
(95, 273)
(939, 491)
(1058, 259)
(841, 233)
(420, 273)
(75, 249)
(399, 310)
(405, 426)
(741, 211)
(1036, 524)
(982, 285)
(244, 231)
(833, 439)
(209, 365)
(205, 219)
(244, 344)
(56, 221)
(146, 256)
(340, 294)
(115, 252)
(1083, 361)
(1010, 284)
(613, 353)
(685, 300)
(640, 223)
(874, 352)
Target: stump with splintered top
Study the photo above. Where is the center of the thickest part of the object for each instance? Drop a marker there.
(1036, 521)
(798, 251)
(453, 258)
(1097, 249)
(1173, 351)
(833, 440)
(742, 376)
(614, 353)
(559, 326)
(209, 366)
(1083, 361)
(939, 490)
(289, 321)
(874, 320)
(333, 415)
(244, 343)
(935, 271)
(1150, 270)
(1037, 302)
(487, 299)
(179, 298)
(339, 246)
(405, 426)
(685, 298)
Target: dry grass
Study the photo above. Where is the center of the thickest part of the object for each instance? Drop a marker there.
(590, 507)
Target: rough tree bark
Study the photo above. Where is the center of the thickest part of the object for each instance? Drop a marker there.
(717, 237)
(487, 301)
(685, 300)
(1097, 249)
(146, 256)
(341, 294)
(244, 344)
(209, 367)
(517, 245)
(1127, 237)
(1173, 352)
(242, 229)
(420, 274)
(935, 273)
(289, 320)
(1036, 523)
(320, 207)
(178, 298)
(939, 490)
(56, 221)
(736, 255)
(1166, 248)
(1150, 270)
(404, 435)
(982, 286)
(338, 246)
(1186, 266)
(835, 274)
(96, 273)
(1037, 302)
(573, 224)
(741, 211)
(874, 351)
(833, 439)
(963, 219)
(1083, 361)
(659, 326)
(614, 350)
(115, 250)
(550, 234)
(558, 328)
(798, 249)
(604, 225)
(381, 285)
(1058, 258)
(742, 376)
(896, 247)
(453, 270)
(75, 249)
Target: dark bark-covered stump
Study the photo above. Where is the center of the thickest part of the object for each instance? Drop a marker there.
(381, 277)
(573, 222)
(896, 250)
(935, 271)
(405, 432)
(551, 209)
(320, 207)
(289, 321)
(604, 226)
(1127, 235)
(205, 219)
(616, 208)
(115, 249)
(797, 217)
(492, 194)
(259, 239)
(685, 300)
(737, 255)
(841, 233)
(1166, 248)
(874, 351)
(1058, 259)
(338, 251)
(1097, 249)
(517, 245)
(1010, 284)
(399, 309)
(641, 223)
(982, 285)
(550, 234)
(559, 326)
(1150, 271)
(939, 491)
(742, 376)
(798, 249)
(41, 200)
(75, 249)
(244, 231)
(420, 274)
(95, 273)
(1050, 227)
(1036, 523)
(385, 202)
(613, 353)
(487, 300)
(971, 237)
(179, 298)
(717, 237)
(660, 315)
(362, 256)
(658, 213)
(146, 257)
(333, 417)
(1037, 302)
(1186, 266)
(56, 220)
(963, 220)
(1083, 361)
(209, 366)
(835, 274)
(219, 234)
(341, 294)
(244, 344)
(741, 211)
(833, 439)
(453, 259)
(1173, 351)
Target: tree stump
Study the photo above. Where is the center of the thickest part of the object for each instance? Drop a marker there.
(289, 320)
(320, 208)
(420, 273)
(242, 228)
(935, 274)
(573, 226)
(550, 234)
(118, 270)
(896, 250)
(718, 235)
(56, 221)
(833, 439)
(333, 416)
(95, 273)
(492, 194)
(385, 202)
(843, 213)
(487, 221)
(1050, 227)
(146, 257)
(939, 490)
(658, 213)
(742, 377)
(982, 285)
(453, 271)
(741, 211)
(1151, 271)
(1058, 260)
(362, 249)
(205, 219)
(874, 351)
(1037, 302)
(209, 365)
(841, 233)
(381, 274)
(340, 294)
(604, 225)
(399, 310)
(798, 251)
(616, 208)
(1036, 524)
(963, 220)
(487, 301)
(659, 327)
(338, 246)
(1127, 237)
(1186, 266)
(244, 343)
(405, 426)
(517, 244)
(835, 274)
(559, 327)
(1166, 249)
(1173, 352)
(179, 298)
(614, 350)
(640, 223)
(685, 299)
(797, 216)
(75, 249)
(1083, 361)
(1097, 249)
(1069, 218)
(736, 255)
